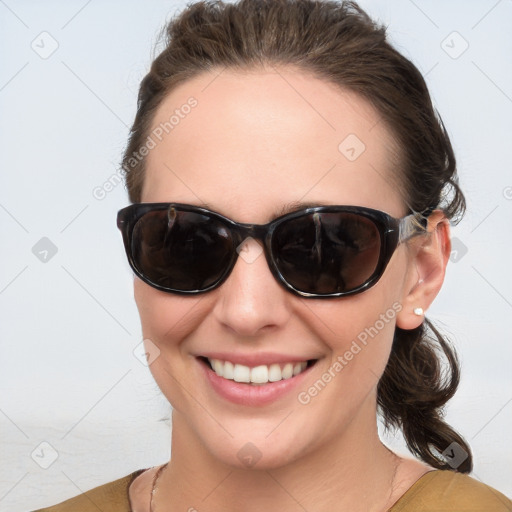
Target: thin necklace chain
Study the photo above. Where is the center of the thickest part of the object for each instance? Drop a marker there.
(388, 505)
(154, 488)
(158, 473)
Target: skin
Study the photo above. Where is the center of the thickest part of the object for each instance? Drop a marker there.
(256, 141)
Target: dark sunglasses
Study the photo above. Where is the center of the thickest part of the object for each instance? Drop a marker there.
(324, 251)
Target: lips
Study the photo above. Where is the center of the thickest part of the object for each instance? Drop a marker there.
(238, 383)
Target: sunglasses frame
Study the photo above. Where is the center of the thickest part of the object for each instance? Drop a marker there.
(392, 231)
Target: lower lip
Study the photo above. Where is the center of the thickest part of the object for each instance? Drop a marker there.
(248, 394)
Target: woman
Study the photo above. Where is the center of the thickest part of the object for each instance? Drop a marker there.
(292, 189)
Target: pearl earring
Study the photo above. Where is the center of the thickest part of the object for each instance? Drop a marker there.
(418, 311)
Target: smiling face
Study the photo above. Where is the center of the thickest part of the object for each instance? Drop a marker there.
(253, 143)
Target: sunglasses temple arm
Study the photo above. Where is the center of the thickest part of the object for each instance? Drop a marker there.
(412, 225)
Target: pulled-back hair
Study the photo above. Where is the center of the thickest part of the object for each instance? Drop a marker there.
(337, 42)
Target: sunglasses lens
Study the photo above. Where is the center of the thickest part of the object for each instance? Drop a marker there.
(327, 253)
(181, 250)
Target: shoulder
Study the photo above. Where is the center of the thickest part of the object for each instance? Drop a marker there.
(112, 496)
(453, 492)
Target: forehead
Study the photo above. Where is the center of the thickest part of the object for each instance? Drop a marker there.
(248, 142)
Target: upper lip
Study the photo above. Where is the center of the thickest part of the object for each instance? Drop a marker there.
(257, 359)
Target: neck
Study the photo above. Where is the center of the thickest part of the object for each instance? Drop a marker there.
(354, 471)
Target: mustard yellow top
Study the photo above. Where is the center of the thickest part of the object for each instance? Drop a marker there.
(436, 490)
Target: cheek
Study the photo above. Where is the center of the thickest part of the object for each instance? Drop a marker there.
(165, 318)
(359, 329)
(360, 332)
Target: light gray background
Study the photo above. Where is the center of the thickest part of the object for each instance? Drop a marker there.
(69, 325)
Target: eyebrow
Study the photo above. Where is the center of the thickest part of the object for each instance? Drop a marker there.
(291, 207)
(298, 205)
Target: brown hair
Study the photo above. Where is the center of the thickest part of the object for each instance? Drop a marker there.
(340, 43)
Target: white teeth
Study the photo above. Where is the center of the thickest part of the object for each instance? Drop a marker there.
(257, 375)
(227, 371)
(287, 371)
(241, 373)
(274, 373)
(218, 367)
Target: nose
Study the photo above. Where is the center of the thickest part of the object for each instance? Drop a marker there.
(251, 301)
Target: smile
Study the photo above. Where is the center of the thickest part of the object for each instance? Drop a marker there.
(254, 384)
(261, 374)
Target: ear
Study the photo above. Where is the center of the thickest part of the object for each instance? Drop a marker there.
(428, 257)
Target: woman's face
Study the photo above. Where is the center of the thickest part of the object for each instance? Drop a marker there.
(251, 144)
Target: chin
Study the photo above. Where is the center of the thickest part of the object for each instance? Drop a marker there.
(256, 454)
(255, 443)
